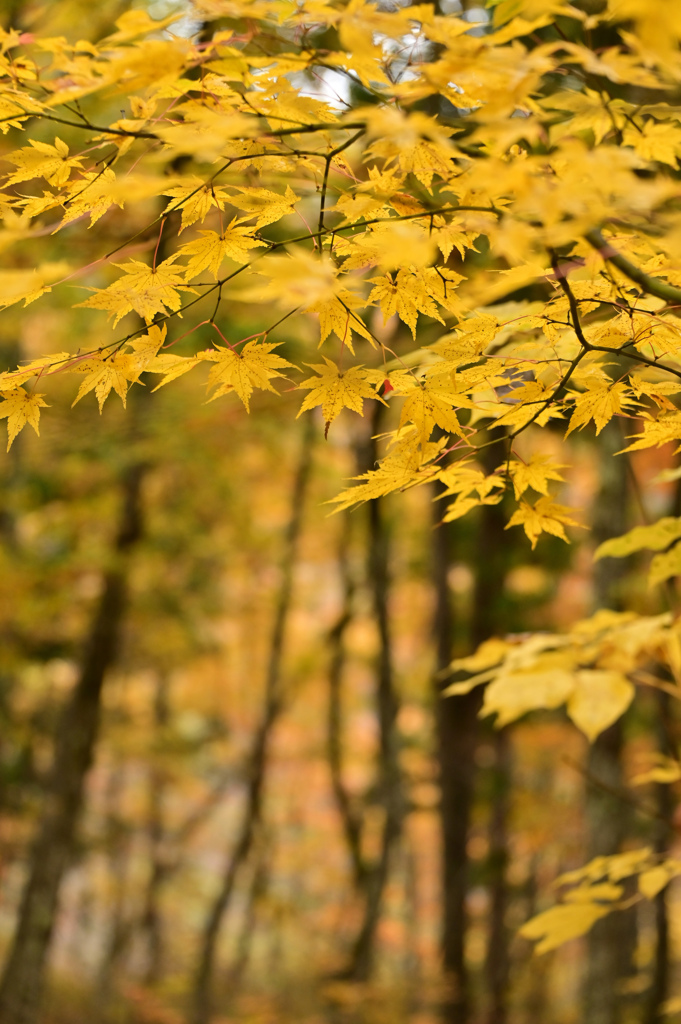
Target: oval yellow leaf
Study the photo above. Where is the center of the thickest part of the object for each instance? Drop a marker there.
(600, 697)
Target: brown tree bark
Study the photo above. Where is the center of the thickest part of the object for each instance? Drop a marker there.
(152, 922)
(389, 783)
(350, 812)
(459, 731)
(664, 805)
(491, 617)
(23, 978)
(456, 722)
(201, 998)
(608, 819)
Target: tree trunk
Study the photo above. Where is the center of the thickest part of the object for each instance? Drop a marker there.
(350, 814)
(23, 979)
(664, 802)
(457, 730)
(201, 993)
(497, 959)
(389, 778)
(611, 940)
(152, 923)
(491, 617)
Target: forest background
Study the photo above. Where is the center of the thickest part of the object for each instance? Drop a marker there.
(231, 788)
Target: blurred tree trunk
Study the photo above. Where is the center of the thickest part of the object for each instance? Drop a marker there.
(497, 958)
(152, 922)
(457, 733)
(350, 813)
(611, 941)
(490, 617)
(389, 778)
(118, 848)
(664, 804)
(23, 979)
(201, 997)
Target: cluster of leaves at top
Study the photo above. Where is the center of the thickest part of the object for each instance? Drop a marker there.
(474, 165)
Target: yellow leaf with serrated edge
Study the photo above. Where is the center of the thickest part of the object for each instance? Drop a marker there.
(53, 363)
(268, 206)
(146, 290)
(428, 403)
(544, 517)
(471, 338)
(402, 467)
(656, 432)
(243, 371)
(209, 251)
(600, 402)
(406, 295)
(40, 160)
(102, 376)
(336, 389)
(560, 924)
(337, 315)
(298, 278)
(195, 199)
(653, 538)
(20, 408)
(535, 474)
(600, 697)
(173, 366)
(119, 370)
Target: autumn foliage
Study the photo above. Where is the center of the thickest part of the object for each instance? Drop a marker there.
(480, 217)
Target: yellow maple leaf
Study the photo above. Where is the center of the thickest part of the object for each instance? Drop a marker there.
(212, 248)
(102, 376)
(535, 474)
(173, 366)
(93, 193)
(337, 315)
(144, 289)
(119, 370)
(589, 111)
(429, 402)
(268, 206)
(600, 402)
(52, 363)
(20, 408)
(336, 389)
(196, 199)
(243, 371)
(298, 278)
(40, 160)
(656, 432)
(544, 517)
(407, 463)
(654, 141)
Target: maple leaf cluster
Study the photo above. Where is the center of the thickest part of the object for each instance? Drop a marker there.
(508, 193)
